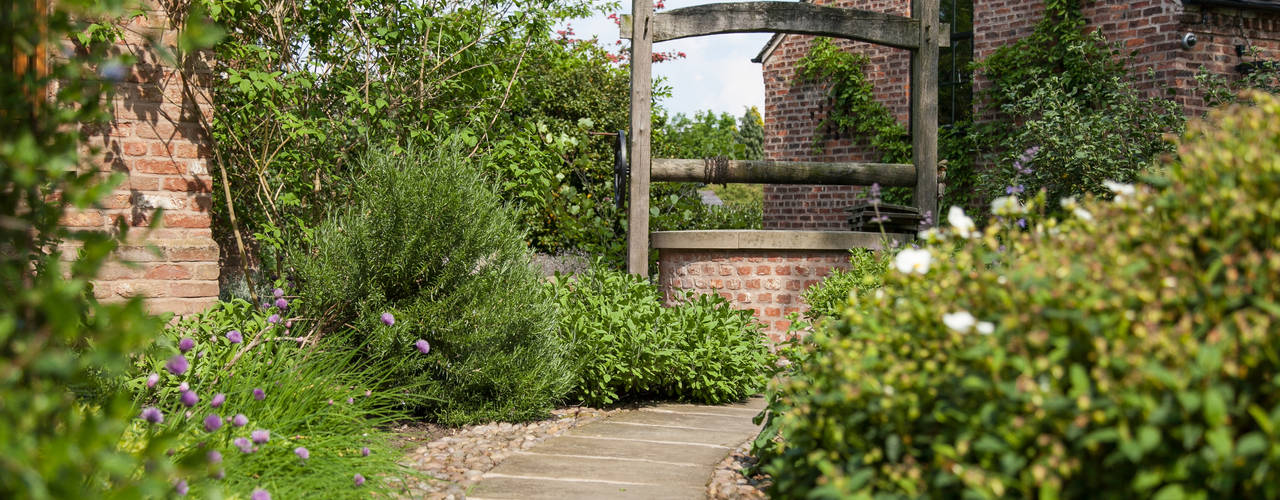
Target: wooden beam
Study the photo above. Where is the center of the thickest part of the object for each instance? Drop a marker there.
(786, 172)
(924, 108)
(641, 131)
(786, 17)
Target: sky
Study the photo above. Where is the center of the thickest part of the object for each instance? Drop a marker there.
(716, 75)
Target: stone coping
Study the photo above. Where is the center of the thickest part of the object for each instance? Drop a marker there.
(757, 239)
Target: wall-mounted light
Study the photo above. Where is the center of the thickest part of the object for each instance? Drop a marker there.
(1189, 41)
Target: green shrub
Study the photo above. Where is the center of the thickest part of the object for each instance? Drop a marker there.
(428, 241)
(866, 272)
(1127, 351)
(626, 345)
(315, 395)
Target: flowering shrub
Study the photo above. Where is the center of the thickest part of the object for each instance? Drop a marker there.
(429, 242)
(1125, 351)
(626, 345)
(268, 409)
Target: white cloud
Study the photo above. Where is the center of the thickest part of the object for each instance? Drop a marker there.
(717, 73)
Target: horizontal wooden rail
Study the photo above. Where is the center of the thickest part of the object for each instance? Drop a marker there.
(784, 172)
(786, 17)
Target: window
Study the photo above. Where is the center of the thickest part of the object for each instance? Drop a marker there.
(955, 80)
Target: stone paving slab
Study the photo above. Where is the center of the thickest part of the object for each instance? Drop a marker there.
(661, 451)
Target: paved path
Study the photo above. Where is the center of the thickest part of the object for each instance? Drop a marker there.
(666, 451)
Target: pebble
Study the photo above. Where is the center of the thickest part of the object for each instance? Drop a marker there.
(457, 461)
(729, 482)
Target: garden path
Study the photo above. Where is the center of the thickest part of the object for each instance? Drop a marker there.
(666, 451)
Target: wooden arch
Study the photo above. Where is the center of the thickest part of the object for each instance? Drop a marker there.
(921, 33)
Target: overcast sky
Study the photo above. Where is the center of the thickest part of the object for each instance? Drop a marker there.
(717, 74)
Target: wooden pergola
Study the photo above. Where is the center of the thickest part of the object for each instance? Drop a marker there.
(921, 33)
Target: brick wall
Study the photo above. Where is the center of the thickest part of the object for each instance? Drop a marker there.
(1151, 28)
(155, 140)
(793, 112)
(769, 283)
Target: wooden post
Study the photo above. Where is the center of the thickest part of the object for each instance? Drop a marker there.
(641, 125)
(924, 107)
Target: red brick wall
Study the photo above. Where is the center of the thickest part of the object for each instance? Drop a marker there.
(769, 283)
(156, 142)
(793, 112)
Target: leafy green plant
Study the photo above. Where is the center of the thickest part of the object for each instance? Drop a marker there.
(251, 369)
(1124, 351)
(427, 241)
(626, 345)
(866, 273)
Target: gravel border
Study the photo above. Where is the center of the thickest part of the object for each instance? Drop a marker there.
(456, 458)
(729, 481)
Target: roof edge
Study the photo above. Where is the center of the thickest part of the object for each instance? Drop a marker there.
(1266, 5)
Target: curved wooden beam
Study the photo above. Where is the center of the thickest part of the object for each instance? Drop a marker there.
(784, 17)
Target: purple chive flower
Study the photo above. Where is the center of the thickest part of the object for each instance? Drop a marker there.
(186, 344)
(239, 420)
(351, 401)
(282, 304)
(359, 479)
(260, 494)
(259, 394)
(215, 457)
(273, 319)
(364, 452)
(177, 365)
(266, 305)
(218, 399)
(235, 337)
(189, 398)
(288, 324)
(330, 402)
(423, 346)
(244, 445)
(388, 319)
(152, 414)
(260, 436)
(368, 392)
(183, 387)
(152, 380)
(181, 488)
(1022, 223)
(212, 422)
(302, 453)
(277, 293)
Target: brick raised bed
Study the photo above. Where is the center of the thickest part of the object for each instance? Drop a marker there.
(762, 271)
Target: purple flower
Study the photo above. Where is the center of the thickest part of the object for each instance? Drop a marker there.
(235, 337)
(368, 392)
(177, 365)
(259, 394)
(186, 344)
(388, 319)
(260, 436)
(181, 488)
(239, 420)
(364, 452)
(152, 380)
(152, 414)
(423, 346)
(212, 422)
(273, 319)
(302, 453)
(218, 399)
(244, 445)
(351, 401)
(184, 387)
(215, 457)
(266, 305)
(260, 494)
(282, 304)
(1022, 223)
(359, 479)
(277, 293)
(189, 398)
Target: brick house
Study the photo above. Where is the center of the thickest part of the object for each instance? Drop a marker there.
(1226, 32)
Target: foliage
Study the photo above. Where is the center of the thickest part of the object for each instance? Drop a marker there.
(427, 240)
(1125, 351)
(1068, 93)
(626, 345)
(304, 85)
(710, 135)
(1218, 90)
(315, 396)
(62, 414)
(865, 274)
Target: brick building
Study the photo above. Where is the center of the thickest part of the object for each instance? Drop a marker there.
(1227, 32)
(157, 142)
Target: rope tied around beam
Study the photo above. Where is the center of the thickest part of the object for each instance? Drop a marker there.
(715, 170)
